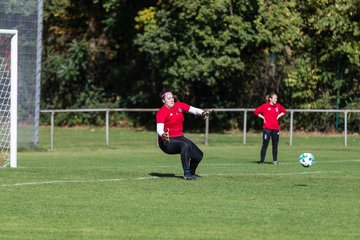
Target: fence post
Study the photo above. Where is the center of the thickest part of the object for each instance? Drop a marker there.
(107, 126)
(291, 125)
(345, 127)
(52, 130)
(207, 130)
(245, 126)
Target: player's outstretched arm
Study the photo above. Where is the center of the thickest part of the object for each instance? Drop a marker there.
(199, 112)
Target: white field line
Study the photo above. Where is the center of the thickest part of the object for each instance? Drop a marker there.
(63, 181)
(74, 181)
(144, 178)
(243, 163)
(343, 161)
(152, 177)
(270, 174)
(208, 164)
(282, 163)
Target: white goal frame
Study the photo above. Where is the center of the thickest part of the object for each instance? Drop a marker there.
(13, 94)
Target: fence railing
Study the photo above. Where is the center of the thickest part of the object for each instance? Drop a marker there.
(207, 121)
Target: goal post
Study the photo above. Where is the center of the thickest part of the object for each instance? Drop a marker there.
(8, 97)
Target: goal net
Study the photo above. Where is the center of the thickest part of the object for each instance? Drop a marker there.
(8, 97)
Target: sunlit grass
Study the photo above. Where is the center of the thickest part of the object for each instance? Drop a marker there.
(83, 189)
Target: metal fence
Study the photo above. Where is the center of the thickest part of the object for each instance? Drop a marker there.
(207, 121)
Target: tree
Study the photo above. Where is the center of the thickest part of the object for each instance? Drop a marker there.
(88, 49)
(213, 53)
(329, 62)
(196, 47)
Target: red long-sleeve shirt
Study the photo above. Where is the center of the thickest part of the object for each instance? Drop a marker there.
(270, 113)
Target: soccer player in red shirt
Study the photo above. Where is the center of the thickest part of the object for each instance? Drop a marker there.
(270, 112)
(169, 127)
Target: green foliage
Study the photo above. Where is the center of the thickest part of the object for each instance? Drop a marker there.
(332, 49)
(192, 43)
(278, 36)
(354, 118)
(301, 82)
(27, 7)
(70, 67)
(212, 53)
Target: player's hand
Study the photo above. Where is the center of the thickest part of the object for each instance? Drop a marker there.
(279, 116)
(165, 136)
(263, 118)
(205, 114)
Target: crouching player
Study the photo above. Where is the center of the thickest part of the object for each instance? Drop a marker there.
(169, 127)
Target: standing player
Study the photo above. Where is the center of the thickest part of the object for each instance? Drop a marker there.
(270, 112)
(169, 127)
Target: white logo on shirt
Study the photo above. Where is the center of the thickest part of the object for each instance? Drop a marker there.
(171, 114)
(276, 109)
(269, 109)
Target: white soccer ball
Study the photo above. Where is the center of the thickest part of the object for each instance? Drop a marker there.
(307, 159)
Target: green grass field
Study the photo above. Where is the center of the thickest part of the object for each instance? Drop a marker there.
(131, 190)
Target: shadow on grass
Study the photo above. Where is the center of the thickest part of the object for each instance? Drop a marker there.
(301, 185)
(164, 175)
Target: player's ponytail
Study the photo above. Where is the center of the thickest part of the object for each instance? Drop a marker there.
(267, 98)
